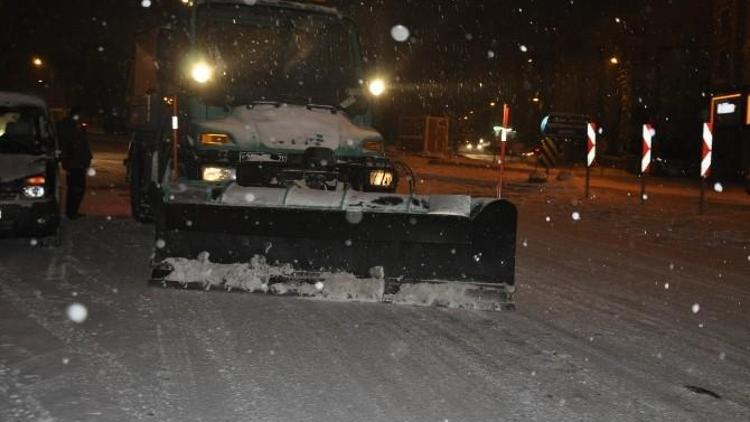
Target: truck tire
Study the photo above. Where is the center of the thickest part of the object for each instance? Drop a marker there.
(139, 198)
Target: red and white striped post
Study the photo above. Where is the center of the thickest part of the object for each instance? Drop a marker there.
(706, 157)
(648, 137)
(590, 153)
(503, 142)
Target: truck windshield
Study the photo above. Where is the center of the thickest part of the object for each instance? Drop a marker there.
(274, 54)
(19, 131)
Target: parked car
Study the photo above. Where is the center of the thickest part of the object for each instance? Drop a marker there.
(29, 182)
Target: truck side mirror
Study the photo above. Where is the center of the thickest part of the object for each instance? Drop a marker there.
(355, 103)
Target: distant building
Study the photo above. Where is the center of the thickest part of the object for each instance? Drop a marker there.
(730, 44)
(729, 113)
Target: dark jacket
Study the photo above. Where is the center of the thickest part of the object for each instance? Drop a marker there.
(74, 144)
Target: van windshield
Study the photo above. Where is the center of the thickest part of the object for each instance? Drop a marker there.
(21, 131)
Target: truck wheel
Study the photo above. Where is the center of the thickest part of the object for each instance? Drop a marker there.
(138, 192)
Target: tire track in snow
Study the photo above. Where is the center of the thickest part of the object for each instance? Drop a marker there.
(198, 321)
(615, 304)
(19, 404)
(625, 334)
(136, 397)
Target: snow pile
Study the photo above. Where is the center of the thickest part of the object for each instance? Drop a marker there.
(449, 295)
(459, 205)
(253, 276)
(268, 126)
(260, 276)
(345, 286)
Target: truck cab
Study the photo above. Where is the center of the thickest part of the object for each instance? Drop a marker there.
(262, 93)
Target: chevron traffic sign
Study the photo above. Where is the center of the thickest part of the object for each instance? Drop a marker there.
(590, 144)
(707, 150)
(648, 136)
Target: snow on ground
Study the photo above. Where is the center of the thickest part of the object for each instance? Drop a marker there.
(605, 328)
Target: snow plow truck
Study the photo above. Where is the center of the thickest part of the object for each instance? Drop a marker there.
(254, 156)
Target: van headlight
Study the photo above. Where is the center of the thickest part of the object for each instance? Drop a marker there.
(219, 174)
(34, 187)
(33, 192)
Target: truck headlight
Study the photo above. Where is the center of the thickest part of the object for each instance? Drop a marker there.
(381, 178)
(219, 174)
(201, 72)
(377, 87)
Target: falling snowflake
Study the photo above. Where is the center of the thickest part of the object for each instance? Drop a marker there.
(523, 48)
(525, 243)
(91, 172)
(319, 286)
(576, 216)
(547, 219)
(77, 312)
(33, 242)
(146, 3)
(348, 242)
(400, 33)
(718, 187)
(696, 308)
(490, 54)
(160, 243)
(354, 217)
(666, 286)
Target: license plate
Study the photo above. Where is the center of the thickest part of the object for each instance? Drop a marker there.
(262, 157)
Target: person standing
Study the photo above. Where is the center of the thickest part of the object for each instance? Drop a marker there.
(76, 159)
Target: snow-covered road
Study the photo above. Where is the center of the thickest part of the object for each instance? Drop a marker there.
(627, 312)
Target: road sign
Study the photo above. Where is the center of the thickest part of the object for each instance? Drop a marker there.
(591, 144)
(550, 153)
(648, 135)
(707, 150)
(564, 125)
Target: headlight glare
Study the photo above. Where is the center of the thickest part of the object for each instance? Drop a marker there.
(201, 72)
(219, 174)
(377, 87)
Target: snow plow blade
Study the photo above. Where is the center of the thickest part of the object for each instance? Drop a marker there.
(405, 250)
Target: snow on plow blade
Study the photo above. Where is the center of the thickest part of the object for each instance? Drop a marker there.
(443, 250)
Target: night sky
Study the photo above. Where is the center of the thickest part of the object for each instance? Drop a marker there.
(460, 54)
